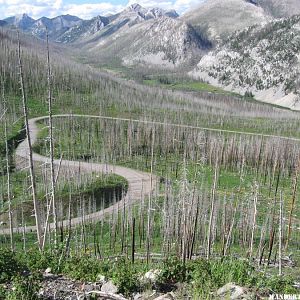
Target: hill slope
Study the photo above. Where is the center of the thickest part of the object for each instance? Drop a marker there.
(263, 59)
(219, 18)
(280, 8)
(164, 42)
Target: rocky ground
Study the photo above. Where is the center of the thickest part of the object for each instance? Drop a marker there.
(58, 287)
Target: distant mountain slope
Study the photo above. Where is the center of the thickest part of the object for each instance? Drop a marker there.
(151, 36)
(167, 42)
(135, 35)
(83, 29)
(219, 18)
(263, 59)
(164, 42)
(67, 28)
(131, 16)
(56, 27)
(23, 21)
(280, 8)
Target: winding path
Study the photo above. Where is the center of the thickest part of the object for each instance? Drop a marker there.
(140, 184)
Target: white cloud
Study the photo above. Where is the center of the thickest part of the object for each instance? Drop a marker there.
(35, 8)
(34, 11)
(52, 8)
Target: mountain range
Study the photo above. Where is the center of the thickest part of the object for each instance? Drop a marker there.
(243, 45)
(67, 28)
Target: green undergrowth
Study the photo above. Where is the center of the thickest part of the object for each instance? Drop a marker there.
(194, 86)
(201, 278)
(15, 134)
(76, 145)
(100, 104)
(99, 187)
(234, 188)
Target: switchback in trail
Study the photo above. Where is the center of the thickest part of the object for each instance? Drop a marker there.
(140, 184)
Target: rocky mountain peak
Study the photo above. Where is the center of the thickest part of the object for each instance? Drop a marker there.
(149, 13)
(22, 17)
(22, 21)
(135, 7)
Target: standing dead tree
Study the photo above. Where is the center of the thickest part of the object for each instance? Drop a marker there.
(37, 211)
(212, 210)
(9, 195)
(294, 194)
(52, 171)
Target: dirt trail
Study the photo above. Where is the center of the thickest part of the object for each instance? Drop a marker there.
(140, 184)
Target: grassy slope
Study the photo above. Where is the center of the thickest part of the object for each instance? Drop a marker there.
(189, 86)
(76, 146)
(110, 101)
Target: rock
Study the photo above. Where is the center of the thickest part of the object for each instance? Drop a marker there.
(138, 296)
(168, 296)
(151, 276)
(101, 279)
(48, 271)
(90, 287)
(50, 276)
(149, 295)
(109, 287)
(234, 292)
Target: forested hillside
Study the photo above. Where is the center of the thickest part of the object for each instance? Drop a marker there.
(263, 60)
(161, 187)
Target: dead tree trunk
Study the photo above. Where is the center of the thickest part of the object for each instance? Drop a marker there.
(295, 185)
(37, 210)
(212, 210)
(280, 234)
(52, 175)
(9, 196)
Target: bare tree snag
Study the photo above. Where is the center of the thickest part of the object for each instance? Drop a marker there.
(37, 211)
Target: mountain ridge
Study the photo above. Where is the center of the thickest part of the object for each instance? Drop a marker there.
(136, 35)
(68, 28)
(230, 43)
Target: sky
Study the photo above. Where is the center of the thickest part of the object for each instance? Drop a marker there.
(85, 9)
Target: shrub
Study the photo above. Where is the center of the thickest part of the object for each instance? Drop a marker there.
(125, 276)
(37, 261)
(174, 270)
(277, 284)
(232, 270)
(207, 276)
(25, 288)
(9, 265)
(85, 268)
